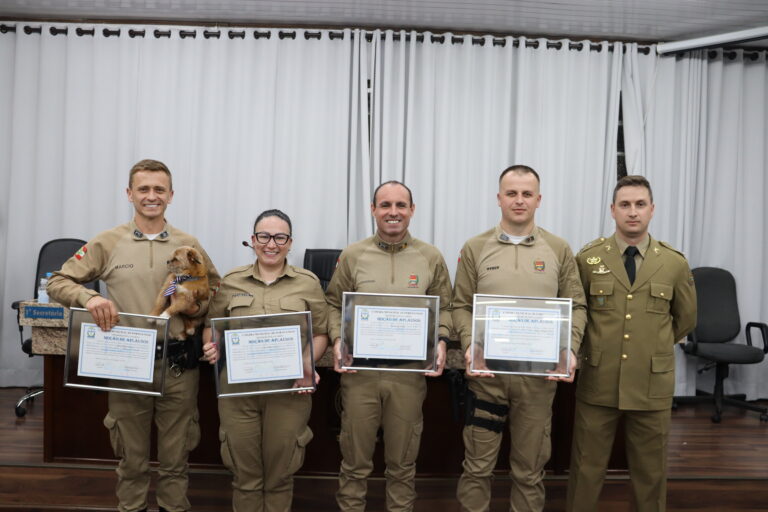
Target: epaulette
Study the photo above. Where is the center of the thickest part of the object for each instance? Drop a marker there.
(239, 269)
(593, 243)
(305, 272)
(668, 246)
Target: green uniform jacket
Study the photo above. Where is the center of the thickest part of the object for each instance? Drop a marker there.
(372, 265)
(628, 359)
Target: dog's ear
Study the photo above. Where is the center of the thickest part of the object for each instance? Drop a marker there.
(193, 256)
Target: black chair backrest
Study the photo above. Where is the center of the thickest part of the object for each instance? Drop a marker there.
(718, 310)
(322, 262)
(52, 256)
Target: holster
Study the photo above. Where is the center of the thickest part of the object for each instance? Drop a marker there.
(473, 403)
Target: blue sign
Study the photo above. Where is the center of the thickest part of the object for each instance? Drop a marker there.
(54, 313)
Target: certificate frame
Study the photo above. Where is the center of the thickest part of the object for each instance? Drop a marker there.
(366, 343)
(135, 363)
(243, 341)
(521, 335)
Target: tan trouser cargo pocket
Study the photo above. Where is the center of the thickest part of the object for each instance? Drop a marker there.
(115, 439)
(298, 453)
(193, 432)
(226, 452)
(412, 448)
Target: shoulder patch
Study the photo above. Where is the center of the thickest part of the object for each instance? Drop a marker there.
(81, 252)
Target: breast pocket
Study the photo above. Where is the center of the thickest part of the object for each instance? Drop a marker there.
(239, 305)
(292, 304)
(661, 295)
(601, 295)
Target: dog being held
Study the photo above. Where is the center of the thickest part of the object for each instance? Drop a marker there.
(187, 283)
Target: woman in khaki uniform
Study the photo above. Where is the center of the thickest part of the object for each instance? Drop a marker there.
(263, 436)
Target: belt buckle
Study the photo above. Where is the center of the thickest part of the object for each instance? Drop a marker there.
(176, 370)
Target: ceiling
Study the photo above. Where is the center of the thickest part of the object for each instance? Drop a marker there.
(625, 20)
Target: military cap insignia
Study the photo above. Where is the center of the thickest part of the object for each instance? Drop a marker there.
(593, 260)
(601, 270)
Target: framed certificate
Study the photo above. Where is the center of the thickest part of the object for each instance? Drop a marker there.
(389, 332)
(521, 335)
(264, 354)
(128, 358)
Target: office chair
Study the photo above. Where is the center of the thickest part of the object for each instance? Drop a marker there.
(52, 256)
(718, 324)
(322, 262)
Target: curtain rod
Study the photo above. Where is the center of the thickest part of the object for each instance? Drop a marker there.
(309, 34)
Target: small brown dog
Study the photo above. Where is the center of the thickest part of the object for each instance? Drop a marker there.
(187, 283)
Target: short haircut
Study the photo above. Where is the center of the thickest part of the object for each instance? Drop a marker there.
(149, 165)
(274, 213)
(520, 169)
(392, 182)
(632, 180)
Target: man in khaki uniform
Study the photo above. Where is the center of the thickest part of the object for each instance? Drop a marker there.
(391, 261)
(131, 260)
(514, 258)
(641, 301)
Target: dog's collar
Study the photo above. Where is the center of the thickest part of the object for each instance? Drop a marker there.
(178, 280)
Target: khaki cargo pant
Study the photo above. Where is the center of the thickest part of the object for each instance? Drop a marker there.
(530, 422)
(263, 438)
(129, 421)
(646, 434)
(373, 399)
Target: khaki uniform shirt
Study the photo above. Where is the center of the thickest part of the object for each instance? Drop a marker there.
(628, 360)
(540, 266)
(132, 266)
(409, 267)
(244, 293)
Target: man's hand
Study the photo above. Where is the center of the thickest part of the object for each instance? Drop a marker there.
(561, 366)
(480, 367)
(442, 351)
(306, 382)
(210, 349)
(103, 311)
(338, 357)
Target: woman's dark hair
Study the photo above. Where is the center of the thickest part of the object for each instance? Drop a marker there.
(274, 213)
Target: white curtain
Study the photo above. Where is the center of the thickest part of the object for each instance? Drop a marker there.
(244, 124)
(309, 126)
(449, 114)
(696, 126)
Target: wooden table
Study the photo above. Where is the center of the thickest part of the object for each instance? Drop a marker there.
(74, 430)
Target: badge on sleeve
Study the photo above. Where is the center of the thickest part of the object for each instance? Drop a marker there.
(81, 253)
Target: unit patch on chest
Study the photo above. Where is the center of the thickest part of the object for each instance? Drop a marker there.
(413, 281)
(538, 265)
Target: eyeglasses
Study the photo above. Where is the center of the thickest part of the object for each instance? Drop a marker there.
(280, 238)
